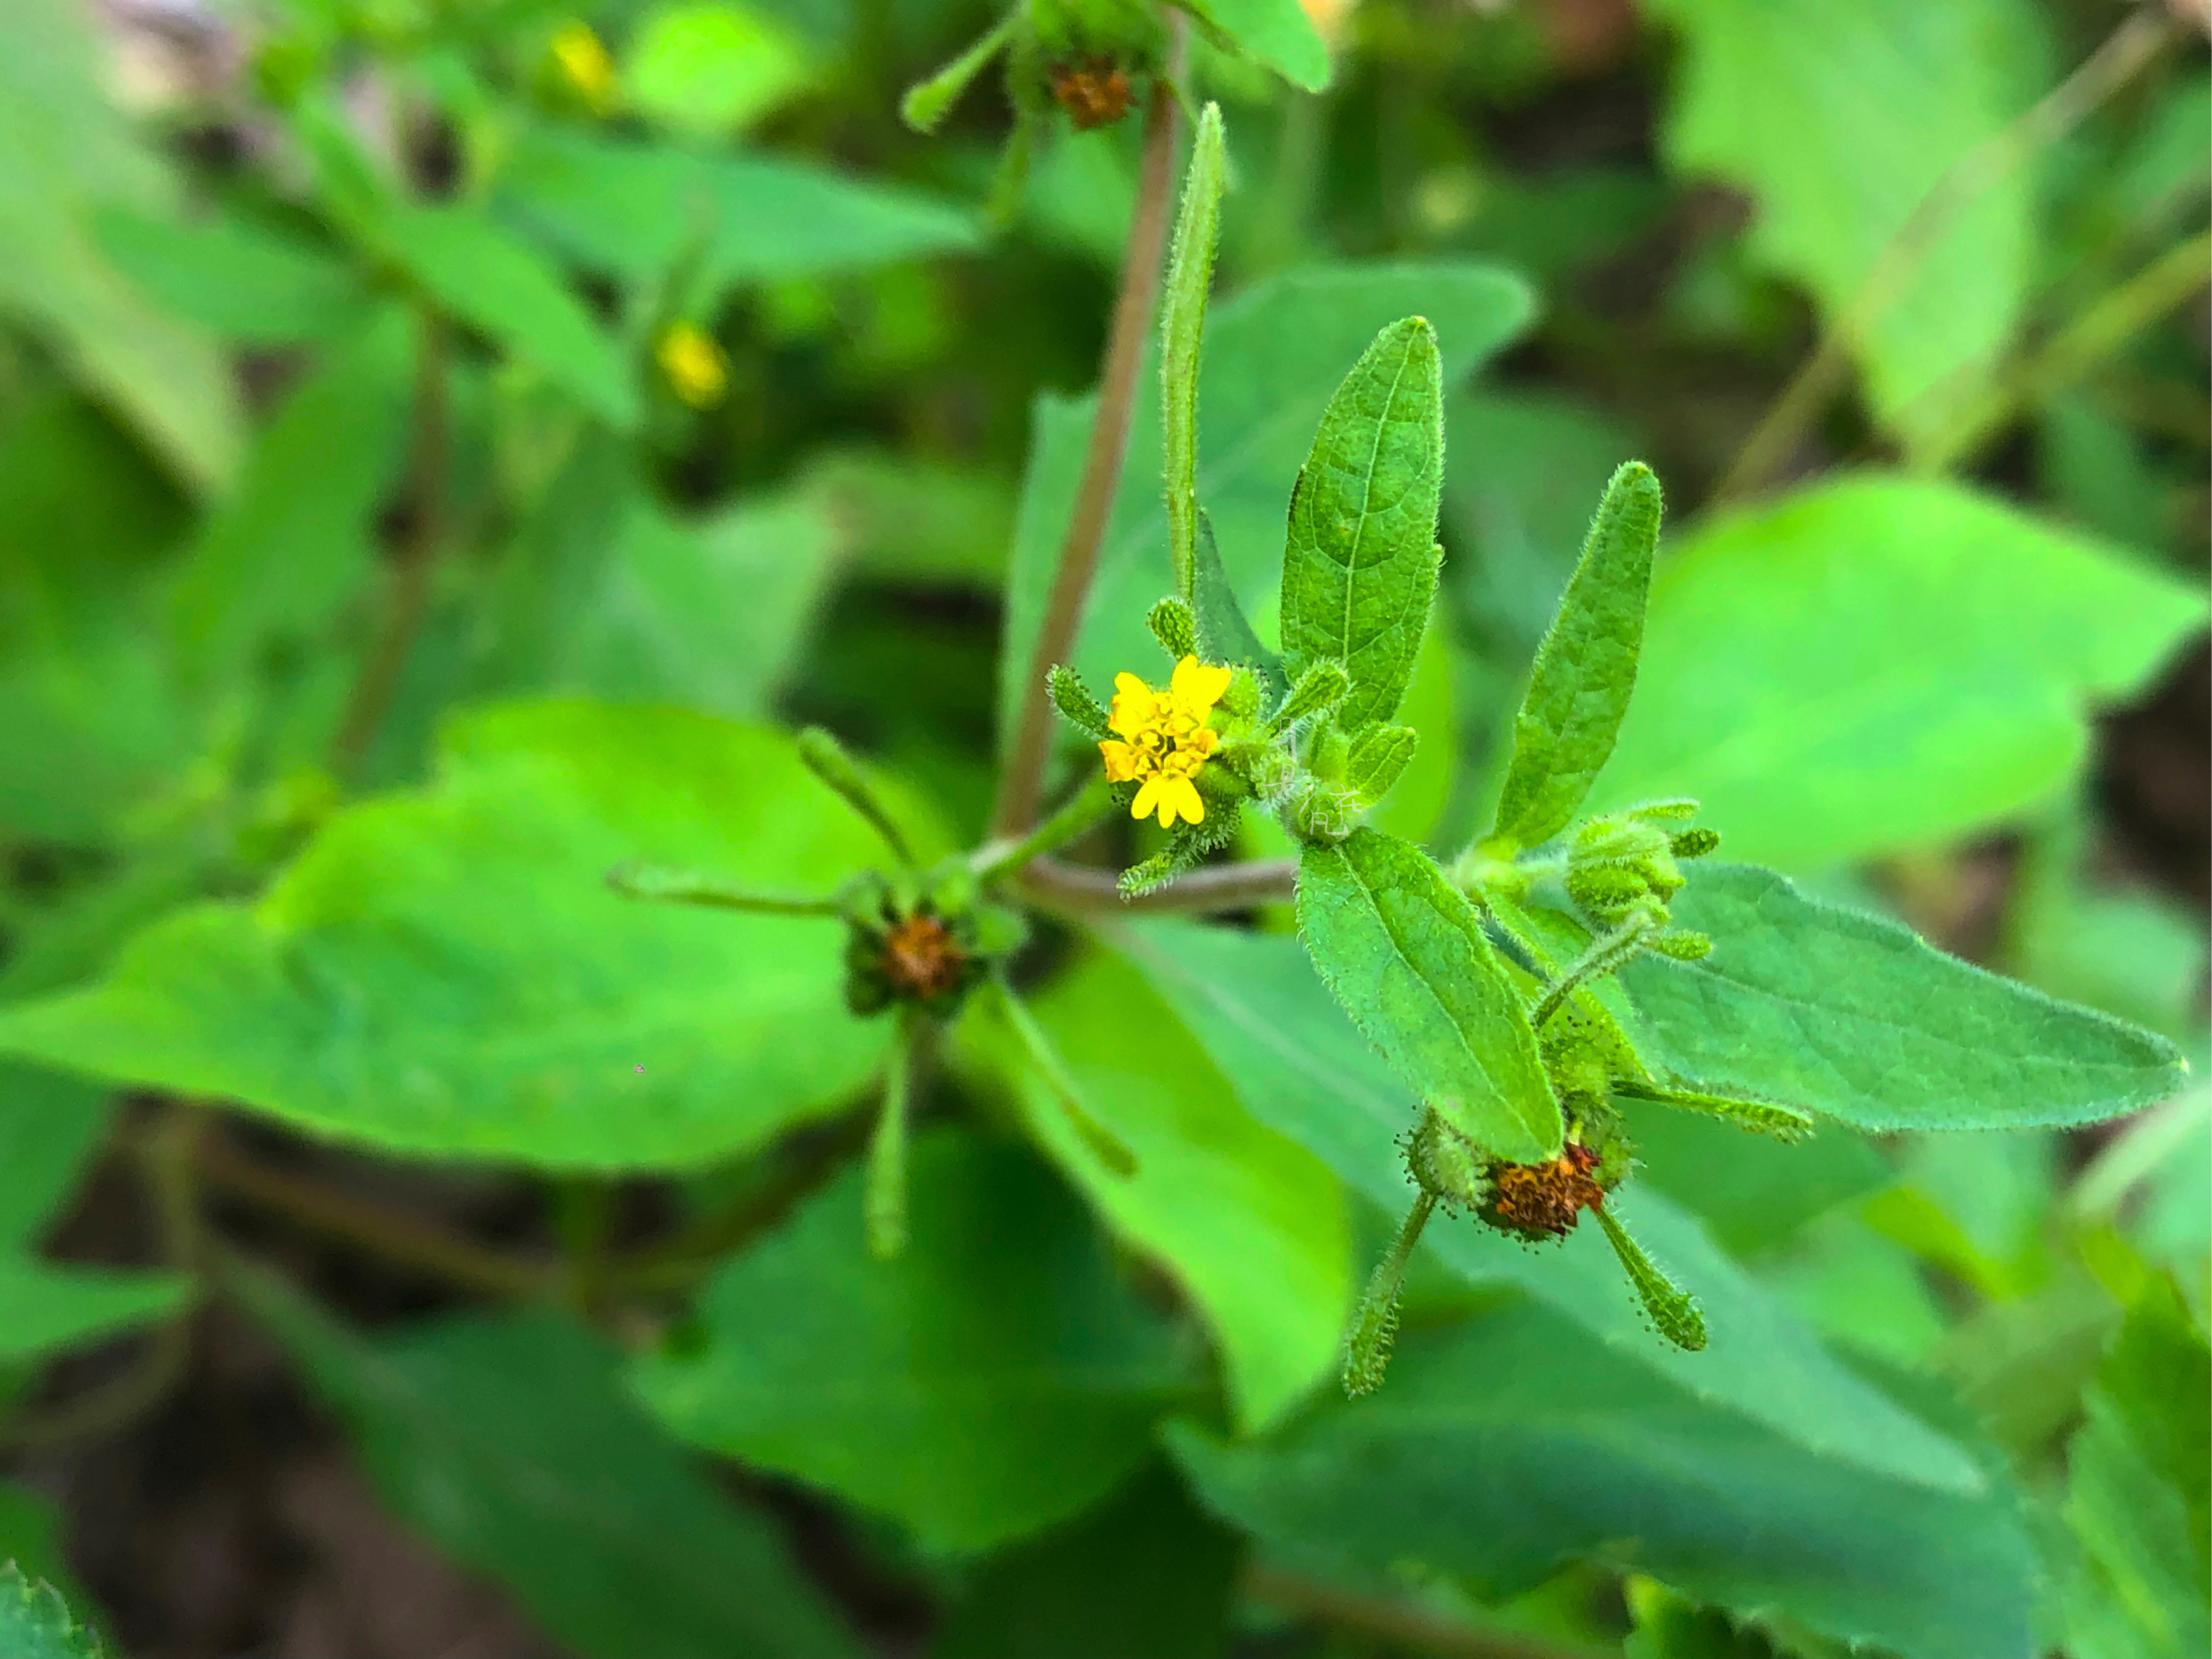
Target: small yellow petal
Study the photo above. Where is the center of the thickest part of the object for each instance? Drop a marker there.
(1154, 788)
(1121, 762)
(1197, 686)
(1183, 797)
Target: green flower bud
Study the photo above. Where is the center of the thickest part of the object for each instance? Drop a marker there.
(1173, 626)
(1076, 704)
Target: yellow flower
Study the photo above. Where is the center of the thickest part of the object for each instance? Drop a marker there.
(1162, 739)
(583, 59)
(694, 364)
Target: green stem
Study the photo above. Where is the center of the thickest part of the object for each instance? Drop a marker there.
(1021, 780)
(1104, 1145)
(1605, 953)
(826, 758)
(996, 860)
(667, 886)
(1375, 1327)
(883, 1206)
(1072, 889)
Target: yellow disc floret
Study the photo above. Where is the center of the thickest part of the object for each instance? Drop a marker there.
(1161, 740)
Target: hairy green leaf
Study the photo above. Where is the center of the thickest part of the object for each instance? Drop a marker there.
(1877, 663)
(1359, 564)
(1273, 354)
(1225, 635)
(999, 1376)
(1404, 951)
(1249, 1223)
(1585, 669)
(509, 1440)
(1298, 1065)
(447, 971)
(494, 281)
(1858, 1018)
(1503, 1445)
(1182, 324)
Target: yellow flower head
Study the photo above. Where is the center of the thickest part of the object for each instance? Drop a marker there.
(582, 57)
(1162, 739)
(695, 365)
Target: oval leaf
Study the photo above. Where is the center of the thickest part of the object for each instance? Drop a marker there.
(1404, 951)
(1861, 1019)
(1585, 669)
(1360, 568)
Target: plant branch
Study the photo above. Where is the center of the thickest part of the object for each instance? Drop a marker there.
(1021, 781)
(1401, 1624)
(2138, 39)
(2071, 353)
(417, 561)
(316, 1207)
(1074, 890)
(996, 860)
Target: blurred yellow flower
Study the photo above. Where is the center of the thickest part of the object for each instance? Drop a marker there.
(1162, 739)
(582, 57)
(698, 370)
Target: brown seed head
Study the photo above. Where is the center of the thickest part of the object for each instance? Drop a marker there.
(920, 959)
(1094, 92)
(1543, 1201)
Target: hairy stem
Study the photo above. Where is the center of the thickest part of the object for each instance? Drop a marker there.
(1022, 780)
(416, 564)
(1072, 889)
(666, 886)
(2138, 40)
(1089, 804)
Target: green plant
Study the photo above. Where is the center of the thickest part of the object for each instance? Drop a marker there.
(440, 763)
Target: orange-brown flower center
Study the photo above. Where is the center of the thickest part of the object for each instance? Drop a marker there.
(1094, 92)
(1544, 1199)
(921, 958)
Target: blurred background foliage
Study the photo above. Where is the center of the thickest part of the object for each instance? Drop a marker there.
(425, 429)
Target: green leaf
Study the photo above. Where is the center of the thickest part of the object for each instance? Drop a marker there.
(240, 280)
(997, 1377)
(1404, 951)
(1277, 32)
(1249, 1224)
(1877, 663)
(662, 625)
(1298, 1065)
(1225, 635)
(70, 153)
(446, 971)
(295, 542)
(35, 1623)
(1145, 1572)
(1839, 117)
(1585, 669)
(712, 70)
(1858, 1018)
(2136, 1496)
(1273, 354)
(634, 211)
(50, 1126)
(1502, 1446)
(45, 1308)
(497, 284)
(88, 732)
(31, 1540)
(1182, 324)
(1359, 565)
(1752, 1191)
(508, 1440)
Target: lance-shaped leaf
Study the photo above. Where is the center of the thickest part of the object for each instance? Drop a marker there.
(1404, 951)
(1182, 323)
(1224, 634)
(1360, 568)
(1585, 669)
(1859, 1018)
